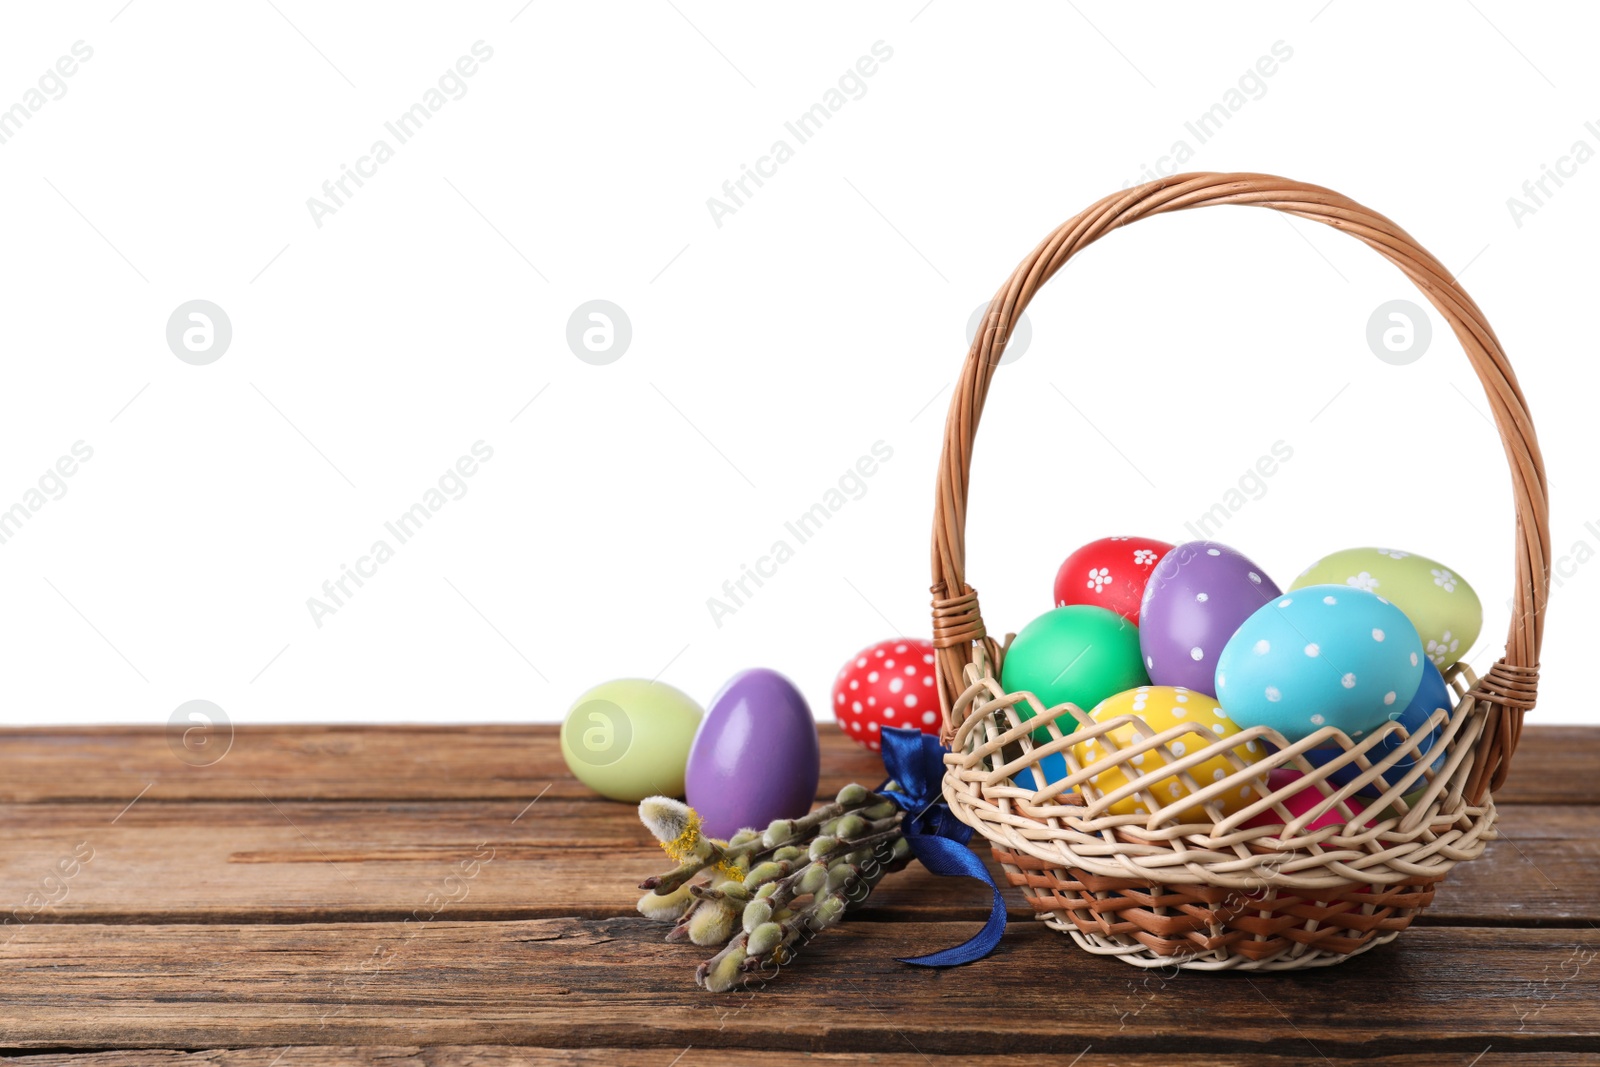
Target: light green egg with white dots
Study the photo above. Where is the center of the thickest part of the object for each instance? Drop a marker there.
(1445, 610)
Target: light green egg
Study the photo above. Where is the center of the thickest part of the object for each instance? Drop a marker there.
(1438, 601)
(629, 739)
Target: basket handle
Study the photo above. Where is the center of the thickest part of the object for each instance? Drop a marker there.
(958, 631)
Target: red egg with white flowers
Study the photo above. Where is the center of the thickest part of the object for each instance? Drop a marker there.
(889, 684)
(1110, 573)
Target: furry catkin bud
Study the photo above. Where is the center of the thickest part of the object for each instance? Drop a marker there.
(763, 939)
(770, 871)
(727, 973)
(789, 852)
(744, 837)
(830, 911)
(821, 846)
(902, 848)
(839, 874)
(755, 913)
(711, 923)
(851, 826)
(665, 907)
(852, 795)
(814, 878)
(881, 810)
(778, 831)
(665, 818)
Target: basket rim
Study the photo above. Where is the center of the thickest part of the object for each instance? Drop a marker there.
(1422, 842)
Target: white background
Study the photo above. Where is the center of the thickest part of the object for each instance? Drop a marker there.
(768, 354)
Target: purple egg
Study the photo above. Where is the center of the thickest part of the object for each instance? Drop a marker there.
(1196, 598)
(755, 757)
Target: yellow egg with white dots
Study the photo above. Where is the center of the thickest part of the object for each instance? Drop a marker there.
(1159, 708)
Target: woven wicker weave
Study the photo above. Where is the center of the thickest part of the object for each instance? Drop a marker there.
(1211, 894)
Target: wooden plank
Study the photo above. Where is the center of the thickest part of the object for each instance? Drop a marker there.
(523, 1056)
(286, 861)
(1555, 765)
(296, 762)
(309, 762)
(569, 983)
(357, 860)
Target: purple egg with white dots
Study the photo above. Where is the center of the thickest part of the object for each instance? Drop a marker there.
(1194, 600)
(1325, 655)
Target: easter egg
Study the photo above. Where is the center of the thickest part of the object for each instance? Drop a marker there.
(629, 739)
(1110, 573)
(755, 758)
(1324, 655)
(1078, 654)
(1437, 600)
(1194, 601)
(1432, 694)
(1054, 766)
(889, 684)
(1162, 707)
(1305, 800)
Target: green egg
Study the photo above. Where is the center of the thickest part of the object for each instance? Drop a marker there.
(629, 739)
(1438, 601)
(1078, 654)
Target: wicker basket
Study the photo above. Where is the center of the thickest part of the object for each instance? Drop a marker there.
(1215, 895)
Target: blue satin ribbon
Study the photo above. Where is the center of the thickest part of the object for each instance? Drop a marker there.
(915, 762)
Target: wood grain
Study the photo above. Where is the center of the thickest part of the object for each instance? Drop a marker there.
(525, 1056)
(286, 861)
(115, 764)
(569, 983)
(431, 896)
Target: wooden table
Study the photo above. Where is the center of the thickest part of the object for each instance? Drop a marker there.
(412, 895)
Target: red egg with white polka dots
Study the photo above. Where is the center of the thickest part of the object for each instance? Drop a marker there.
(1110, 573)
(890, 684)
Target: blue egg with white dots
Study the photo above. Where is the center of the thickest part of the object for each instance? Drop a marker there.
(1325, 655)
(1431, 695)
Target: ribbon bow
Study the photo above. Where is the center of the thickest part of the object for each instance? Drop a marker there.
(915, 762)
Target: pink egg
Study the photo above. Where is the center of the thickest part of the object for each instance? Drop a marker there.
(1304, 801)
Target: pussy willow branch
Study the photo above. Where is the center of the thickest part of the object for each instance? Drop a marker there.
(769, 892)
